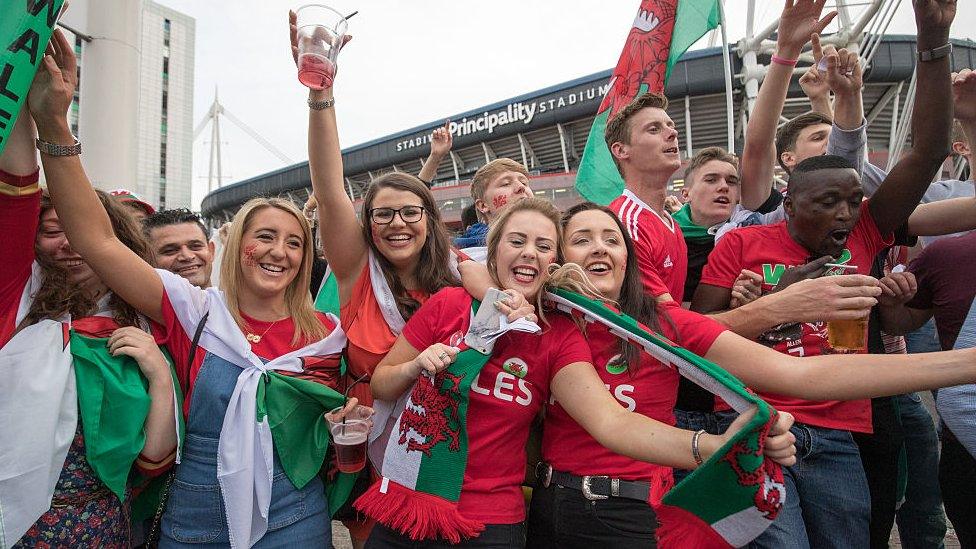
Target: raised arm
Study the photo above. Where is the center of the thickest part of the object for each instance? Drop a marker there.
(845, 77)
(839, 377)
(579, 390)
(814, 81)
(339, 229)
(441, 142)
(902, 190)
(800, 19)
(953, 215)
(85, 221)
(19, 155)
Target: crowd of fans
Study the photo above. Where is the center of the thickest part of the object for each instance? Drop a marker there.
(735, 270)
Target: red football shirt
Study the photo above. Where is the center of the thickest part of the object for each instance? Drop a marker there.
(662, 254)
(20, 206)
(508, 392)
(769, 250)
(650, 389)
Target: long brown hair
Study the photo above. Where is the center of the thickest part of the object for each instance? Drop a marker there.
(297, 298)
(58, 296)
(633, 300)
(433, 270)
(494, 238)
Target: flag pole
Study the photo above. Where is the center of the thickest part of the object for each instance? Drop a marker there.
(727, 63)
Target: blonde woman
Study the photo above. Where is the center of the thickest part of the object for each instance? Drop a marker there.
(230, 487)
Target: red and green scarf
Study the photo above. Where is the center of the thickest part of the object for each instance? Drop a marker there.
(734, 496)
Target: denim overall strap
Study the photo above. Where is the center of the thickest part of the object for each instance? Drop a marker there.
(195, 513)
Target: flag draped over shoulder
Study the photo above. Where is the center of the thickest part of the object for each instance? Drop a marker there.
(734, 496)
(662, 31)
(294, 408)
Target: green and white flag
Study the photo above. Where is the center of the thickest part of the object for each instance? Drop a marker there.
(734, 496)
(662, 31)
(25, 28)
(421, 450)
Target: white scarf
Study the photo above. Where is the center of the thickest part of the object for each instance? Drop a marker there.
(245, 451)
(38, 416)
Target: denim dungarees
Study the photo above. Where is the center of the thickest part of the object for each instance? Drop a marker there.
(194, 514)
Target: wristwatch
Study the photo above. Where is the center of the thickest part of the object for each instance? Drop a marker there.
(320, 105)
(935, 53)
(52, 149)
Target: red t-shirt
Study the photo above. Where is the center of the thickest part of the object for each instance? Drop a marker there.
(944, 273)
(503, 399)
(651, 389)
(275, 341)
(20, 207)
(769, 250)
(662, 254)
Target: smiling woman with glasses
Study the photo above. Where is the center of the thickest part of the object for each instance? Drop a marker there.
(384, 216)
(386, 266)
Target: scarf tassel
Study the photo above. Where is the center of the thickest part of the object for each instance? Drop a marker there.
(416, 514)
(679, 528)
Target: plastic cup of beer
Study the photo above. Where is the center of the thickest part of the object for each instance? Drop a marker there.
(846, 336)
(321, 31)
(349, 437)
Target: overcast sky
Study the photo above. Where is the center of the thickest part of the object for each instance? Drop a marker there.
(412, 62)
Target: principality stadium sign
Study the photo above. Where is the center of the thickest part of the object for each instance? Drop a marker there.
(521, 114)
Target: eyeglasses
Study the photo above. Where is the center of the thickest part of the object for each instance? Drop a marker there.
(384, 216)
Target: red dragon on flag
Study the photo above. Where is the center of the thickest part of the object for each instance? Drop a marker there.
(660, 34)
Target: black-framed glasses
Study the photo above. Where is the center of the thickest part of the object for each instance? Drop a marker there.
(384, 216)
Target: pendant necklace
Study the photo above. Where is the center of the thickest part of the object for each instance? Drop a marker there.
(255, 338)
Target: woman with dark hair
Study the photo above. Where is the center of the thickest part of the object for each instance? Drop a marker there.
(459, 483)
(50, 492)
(561, 515)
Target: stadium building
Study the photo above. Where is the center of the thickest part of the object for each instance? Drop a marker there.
(546, 130)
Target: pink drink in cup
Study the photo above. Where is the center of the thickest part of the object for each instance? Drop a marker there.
(315, 71)
(321, 32)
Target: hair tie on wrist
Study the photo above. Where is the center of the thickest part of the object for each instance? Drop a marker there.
(784, 61)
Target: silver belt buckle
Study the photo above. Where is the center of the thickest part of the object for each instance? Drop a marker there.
(587, 492)
(547, 476)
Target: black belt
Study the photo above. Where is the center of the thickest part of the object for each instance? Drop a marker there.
(594, 487)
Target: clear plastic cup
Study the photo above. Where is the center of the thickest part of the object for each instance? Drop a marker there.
(321, 31)
(350, 437)
(847, 336)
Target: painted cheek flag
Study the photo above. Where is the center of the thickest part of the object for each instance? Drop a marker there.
(662, 31)
(733, 497)
(25, 28)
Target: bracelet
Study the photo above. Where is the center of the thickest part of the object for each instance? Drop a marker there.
(784, 61)
(53, 149)
(935, 53)
(321, 105)
(695, 452)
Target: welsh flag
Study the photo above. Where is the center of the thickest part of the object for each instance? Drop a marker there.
(662, 31)
(733, 497)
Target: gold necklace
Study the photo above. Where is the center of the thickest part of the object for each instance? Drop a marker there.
(254, 338)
